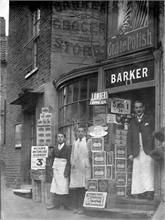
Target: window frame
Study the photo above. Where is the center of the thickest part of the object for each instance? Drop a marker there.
(18, 135)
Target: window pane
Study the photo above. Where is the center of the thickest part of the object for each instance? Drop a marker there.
(69, 94)
(83, 112)
(61, 119)
(75, 91)
(83, 89)
(92, 85)
(90, 120)
(75, 113)
(18, 135)
(68, 114)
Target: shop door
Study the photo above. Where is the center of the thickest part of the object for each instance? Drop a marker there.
(120, 186)
(29, 139)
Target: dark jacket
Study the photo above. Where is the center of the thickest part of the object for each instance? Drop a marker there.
(146, 127)
(65, 153)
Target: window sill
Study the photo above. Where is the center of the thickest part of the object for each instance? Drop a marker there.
(31, 72)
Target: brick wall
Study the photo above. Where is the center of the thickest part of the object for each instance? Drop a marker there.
(20, 13)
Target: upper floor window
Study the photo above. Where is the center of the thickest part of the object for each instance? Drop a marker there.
(31, 48)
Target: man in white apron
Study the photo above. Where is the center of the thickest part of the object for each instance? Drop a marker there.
(61, 172)
(140, 144)
(80, 169)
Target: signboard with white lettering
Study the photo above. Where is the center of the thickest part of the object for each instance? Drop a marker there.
(95, 199)
(99, 98)
(130, 30)
(130, 74)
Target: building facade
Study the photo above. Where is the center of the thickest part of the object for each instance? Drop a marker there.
(60, 53)
(3, 75)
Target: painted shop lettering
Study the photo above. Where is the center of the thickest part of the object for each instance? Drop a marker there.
(129, 42)
(77, 49)
(129, 75)
(78, 26)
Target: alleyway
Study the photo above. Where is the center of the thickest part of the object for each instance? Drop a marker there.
(18, 208)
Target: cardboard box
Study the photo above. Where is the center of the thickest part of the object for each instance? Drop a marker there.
(121, 179)
(102, 185)
(121, 137)
(121, 191)
(121, 165)
(121, 132)
(109, 158)
(99, 158)
(109, 172)
(99, 172)
(120, 152)
(120, 142)
(97, 144)
(92, 185)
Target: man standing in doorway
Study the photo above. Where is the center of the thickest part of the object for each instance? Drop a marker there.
(140, 144)
(61, 172)
(80, 169)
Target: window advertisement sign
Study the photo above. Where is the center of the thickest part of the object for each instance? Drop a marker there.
(130, 74)
(99, 98)
(120, 106)
(95, 199)
(38, 157)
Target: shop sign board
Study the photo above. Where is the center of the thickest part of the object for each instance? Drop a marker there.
(97, 131)
(99, 98)
(38, 157)
(95, 199)
(131, 27)
(130, 74)
(120, 106)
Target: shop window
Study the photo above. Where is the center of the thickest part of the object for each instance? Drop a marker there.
(18, 135)
(74, 108)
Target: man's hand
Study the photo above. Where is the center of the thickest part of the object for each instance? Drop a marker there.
(130, 157)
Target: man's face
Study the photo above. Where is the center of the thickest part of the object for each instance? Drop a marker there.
(60, 138)
(139, 108)
(80, 133)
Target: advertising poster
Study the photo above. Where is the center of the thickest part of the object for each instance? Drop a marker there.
(38, 157)
(95, 199)
(120, 106)
(97, 144)
(99, 172)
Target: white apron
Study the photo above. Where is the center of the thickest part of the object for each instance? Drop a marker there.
(60, 184)
(80, 169)
(143, 172)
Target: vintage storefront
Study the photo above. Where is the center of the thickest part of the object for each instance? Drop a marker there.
(131, 71)
(95, 60)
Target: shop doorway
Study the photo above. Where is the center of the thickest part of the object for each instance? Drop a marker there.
(147, 96)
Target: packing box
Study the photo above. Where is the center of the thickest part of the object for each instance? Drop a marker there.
(121, 132)
(120, 152)
(121, 179)
(121, 165)
(99, 158)
(102, 185)
(99, 172)
(121, 191)
(92, 185)
(109, 172)
(109, 157)
(97, 144)
(120, 142)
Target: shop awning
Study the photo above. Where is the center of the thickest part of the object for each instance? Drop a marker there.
(26, 98)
